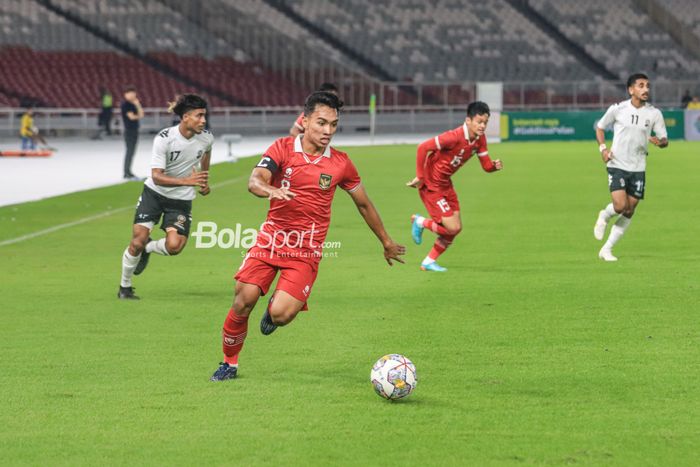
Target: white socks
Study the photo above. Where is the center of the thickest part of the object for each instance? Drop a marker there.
(128, 265)
(157, 246)
(607, 213)
(617, 230)
(420, 220)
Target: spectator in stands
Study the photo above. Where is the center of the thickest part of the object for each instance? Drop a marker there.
(30, 133)
(104, 121)
(132, 112)
(686, 98)
(694, 104)
(297, 129)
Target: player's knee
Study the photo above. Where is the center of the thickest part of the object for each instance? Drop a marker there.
(282, 315)
(620, 208)
(174, 248)
(137, 245)
(241, 306)
(454, 230)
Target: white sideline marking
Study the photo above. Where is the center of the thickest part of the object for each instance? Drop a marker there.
(55, 228)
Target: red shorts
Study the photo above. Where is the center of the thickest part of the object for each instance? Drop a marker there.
(297, 275)
(439, 204)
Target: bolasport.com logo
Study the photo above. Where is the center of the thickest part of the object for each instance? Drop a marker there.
(285, 242)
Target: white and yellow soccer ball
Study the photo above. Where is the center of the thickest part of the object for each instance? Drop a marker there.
(394, 376)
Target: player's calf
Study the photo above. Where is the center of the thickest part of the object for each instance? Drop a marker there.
(143, 261)
(281, 310)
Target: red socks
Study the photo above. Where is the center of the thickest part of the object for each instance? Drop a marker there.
(440, 246)
(434, 226)
(234, 333)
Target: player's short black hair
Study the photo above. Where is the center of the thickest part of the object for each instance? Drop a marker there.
(328, 87)
(185, 103)
(634, 77)
(322, 98)
(478, 108)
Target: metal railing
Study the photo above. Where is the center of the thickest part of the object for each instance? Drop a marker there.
(399, 105)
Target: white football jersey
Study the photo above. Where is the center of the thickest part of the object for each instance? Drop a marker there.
(632, 128)
(177, 156)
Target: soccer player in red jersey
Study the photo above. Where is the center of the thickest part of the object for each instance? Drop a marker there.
(299, 175)
(298, 126)
(437, 160)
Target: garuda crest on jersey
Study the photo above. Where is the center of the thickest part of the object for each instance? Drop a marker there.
(324, 181)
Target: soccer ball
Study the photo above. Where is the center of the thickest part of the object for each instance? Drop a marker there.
(394, 376)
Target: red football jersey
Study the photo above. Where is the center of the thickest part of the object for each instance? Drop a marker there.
(298, 227)
(450, 151)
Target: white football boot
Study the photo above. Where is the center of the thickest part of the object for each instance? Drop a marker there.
(600, 225)
(606, 255)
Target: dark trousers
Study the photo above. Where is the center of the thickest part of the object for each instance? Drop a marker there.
(105, 120)
(131, 137)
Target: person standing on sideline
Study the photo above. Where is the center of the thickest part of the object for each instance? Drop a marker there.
(169, 191)
(30, 134)
(104, 121)
(132, 112)
(633, 122)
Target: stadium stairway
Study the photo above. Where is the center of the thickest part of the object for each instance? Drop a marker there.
(551, 29)
(373, 69)
(370, 67)
(148, 60)
(677, 18)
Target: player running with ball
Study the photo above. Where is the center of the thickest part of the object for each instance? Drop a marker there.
(633, 121)
(437, 160)
(299, 175)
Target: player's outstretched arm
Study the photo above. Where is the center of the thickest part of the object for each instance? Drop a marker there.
(423, 152)
(490, 165)
(392, 250)
(259, 185)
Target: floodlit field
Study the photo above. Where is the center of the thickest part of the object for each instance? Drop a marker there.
(529, 350)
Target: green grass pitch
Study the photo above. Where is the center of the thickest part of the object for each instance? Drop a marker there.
(530, 350)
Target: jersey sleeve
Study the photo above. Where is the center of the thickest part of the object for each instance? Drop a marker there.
(273, 158)
(445, 140)
(482, 151)
(160, 152)
(608, 118)
(351, 178)
(210, 142)
(659, 126)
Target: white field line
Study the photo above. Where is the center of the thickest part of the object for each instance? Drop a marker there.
(56, 228)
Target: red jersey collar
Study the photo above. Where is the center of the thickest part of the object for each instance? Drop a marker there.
(298, 148)
(466, 134)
